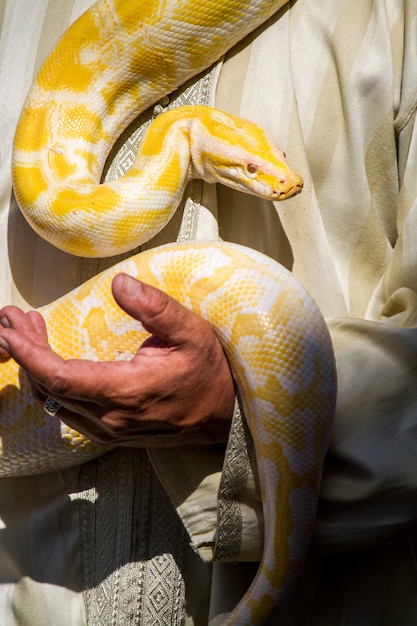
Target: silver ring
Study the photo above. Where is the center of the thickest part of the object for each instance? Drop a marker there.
(51, 406)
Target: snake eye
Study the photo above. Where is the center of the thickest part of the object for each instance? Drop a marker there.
(252, 168)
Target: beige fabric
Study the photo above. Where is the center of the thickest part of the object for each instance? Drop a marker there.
(40, 572)
(335, 82)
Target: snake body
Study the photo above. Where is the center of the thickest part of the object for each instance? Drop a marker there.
(117, 59)
(279, 350)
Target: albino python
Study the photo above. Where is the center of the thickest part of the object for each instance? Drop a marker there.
(120, 57)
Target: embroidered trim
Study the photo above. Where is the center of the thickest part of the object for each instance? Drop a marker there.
(133, 544)
(233, 483)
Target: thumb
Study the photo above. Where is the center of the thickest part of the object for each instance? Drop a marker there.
(159, 314)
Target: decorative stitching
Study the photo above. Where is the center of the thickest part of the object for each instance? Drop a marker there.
(233, 483)
(133, 544)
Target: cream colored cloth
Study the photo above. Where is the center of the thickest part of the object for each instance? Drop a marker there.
(41, 582)
(335, 83)
(341, 97)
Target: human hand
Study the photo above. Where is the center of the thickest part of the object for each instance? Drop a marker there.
(177, 389)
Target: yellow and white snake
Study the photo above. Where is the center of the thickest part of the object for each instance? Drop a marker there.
(120, 57)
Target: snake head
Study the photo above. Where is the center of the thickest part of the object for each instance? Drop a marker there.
(268, 177)
(240, 155)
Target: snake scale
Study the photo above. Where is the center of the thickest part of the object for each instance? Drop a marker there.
(117, 59)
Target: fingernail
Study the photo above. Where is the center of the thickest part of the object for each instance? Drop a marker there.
(5, 322)
(131, 286)
(4, 347)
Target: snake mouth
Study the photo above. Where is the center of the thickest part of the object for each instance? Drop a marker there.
(293, 190)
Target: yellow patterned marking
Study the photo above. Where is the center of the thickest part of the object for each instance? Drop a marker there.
(117, 59)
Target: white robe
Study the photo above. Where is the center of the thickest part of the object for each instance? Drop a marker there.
(334, 82)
